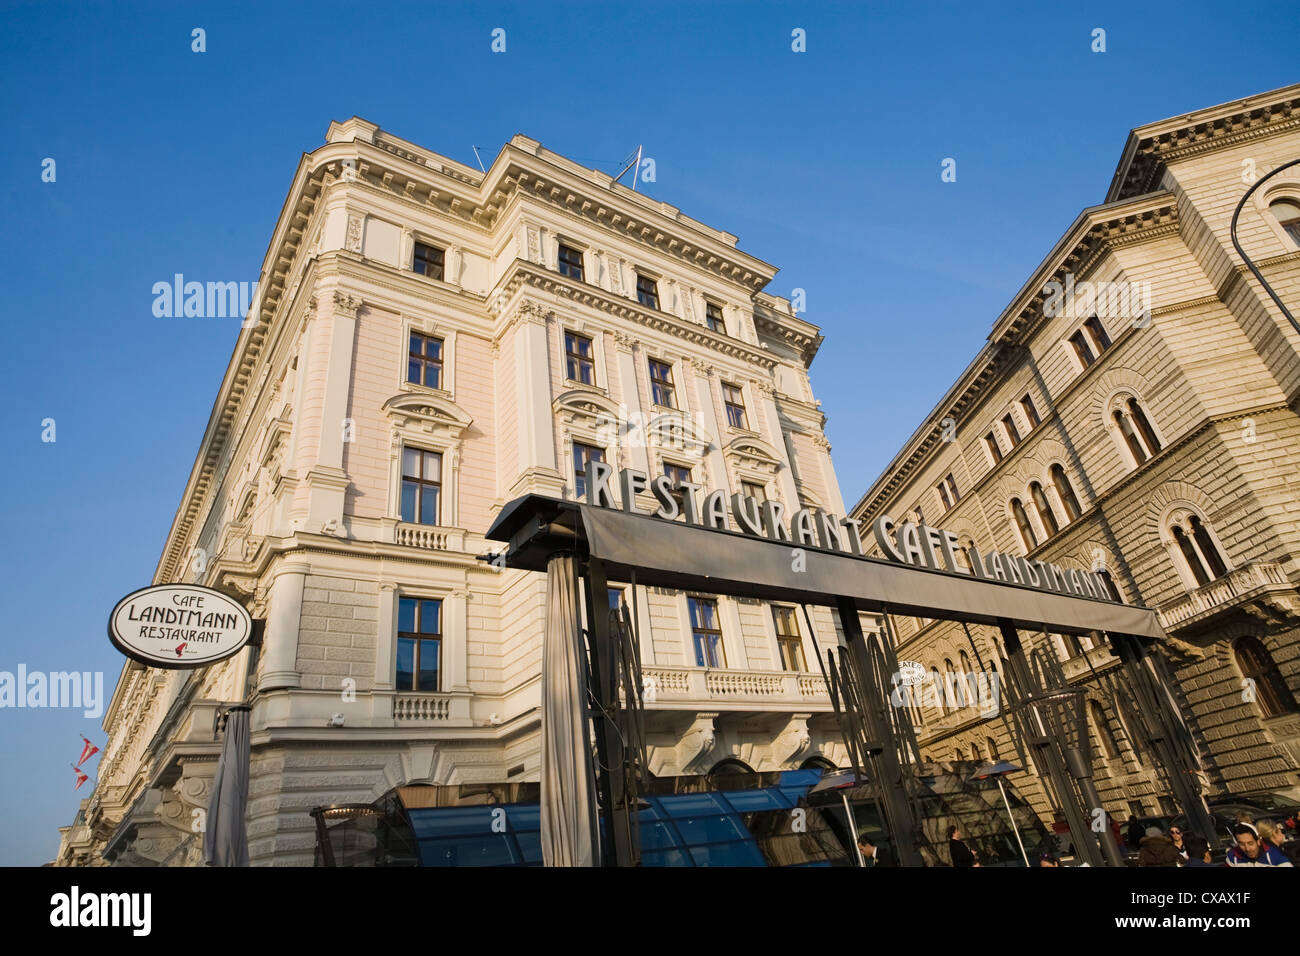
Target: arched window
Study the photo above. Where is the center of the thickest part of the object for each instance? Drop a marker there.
(957, 754)
(1200, 554)
(1143, 426)
(730, 767)
(1287, 214)
(937, 683)
(993, 748)
(1256, 664)
(1108, 742)
(967, 678)
(1201, 535)
(1027, 536)
(1130, 437)
(953, 690)
(818, 762)
(1044, 508)
(975, 753)
(1065, 491)
(1111, 587)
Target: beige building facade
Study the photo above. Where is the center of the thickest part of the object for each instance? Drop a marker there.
(1136, 410)
(429, 342)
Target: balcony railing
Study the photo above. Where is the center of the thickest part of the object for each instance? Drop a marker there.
(1235, 587)
(697, 685)
(411, 707)
(429, 537)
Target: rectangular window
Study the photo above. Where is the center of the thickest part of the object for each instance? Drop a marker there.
(427, 261)
(581, 455)
(751, 490)
(424, 361)
(991, 443)
(1097, 332)
(1031, 412)
(944, 497)
(713, 317)
(1013, 433)
(706, 632)
(421, 485)
(678, 474)
(787, 635)
(1081, 349)
(419, 643)
(647, 291)
(661, 383)
(952, 488)
(570, 263)
(579, 364)
(735, 402)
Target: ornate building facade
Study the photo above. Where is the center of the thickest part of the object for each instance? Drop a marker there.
(428, 343)
(1136, 409)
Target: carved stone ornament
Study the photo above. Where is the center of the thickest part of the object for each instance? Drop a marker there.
(353, 241)
(345, 304)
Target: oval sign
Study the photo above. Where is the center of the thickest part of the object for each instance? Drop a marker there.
(179, 626)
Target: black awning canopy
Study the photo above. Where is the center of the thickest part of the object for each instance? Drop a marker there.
(673, 554)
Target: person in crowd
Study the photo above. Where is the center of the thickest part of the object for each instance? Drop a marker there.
(873, 854)
(1156, 849)
(1176, 837)
(1048, 859)
(1134, 835)
(1252, 851)
(1270, 833)
(1198, 851)
(961, 854)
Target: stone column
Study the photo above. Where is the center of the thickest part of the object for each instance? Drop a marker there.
(638, 455)
(774, 437)
(284, 615)
(326, 480)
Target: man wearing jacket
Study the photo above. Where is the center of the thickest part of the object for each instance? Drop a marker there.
(1156, 849)
(1252, 851)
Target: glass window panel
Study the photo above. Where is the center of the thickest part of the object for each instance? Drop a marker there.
(429, 664)
(406, 615)
(405, 663)
(413, 371)
(494, 849)
(432, 376)
(430, 614)
(429, 505)
(692, 804)
(432, 466)
(410, 462)
(751, 800)
(409, 491)
(433, 348)
(414, 347)
(728, 854)
(666, 858)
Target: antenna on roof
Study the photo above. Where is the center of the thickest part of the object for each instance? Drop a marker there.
(479, 158)
(634, 162)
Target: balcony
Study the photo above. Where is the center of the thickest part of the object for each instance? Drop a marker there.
(422, 708)
(685, 688)
(429, 537)
(1260, 589)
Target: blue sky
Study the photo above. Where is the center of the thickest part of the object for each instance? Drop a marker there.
(825, 163)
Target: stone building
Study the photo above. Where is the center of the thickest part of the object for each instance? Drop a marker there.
(1135, 410)
(428, 343)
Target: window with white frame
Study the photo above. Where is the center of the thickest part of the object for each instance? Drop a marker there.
(1134, 428)
(1202, 561)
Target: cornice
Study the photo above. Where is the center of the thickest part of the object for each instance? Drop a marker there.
(1151, 149)
(522, 273)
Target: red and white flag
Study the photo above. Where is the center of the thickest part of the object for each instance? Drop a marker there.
(88, 750)
(81, 778)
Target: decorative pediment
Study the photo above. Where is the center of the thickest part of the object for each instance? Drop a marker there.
(428, 413)
(588, 408)
(752, 454)
(676, 431)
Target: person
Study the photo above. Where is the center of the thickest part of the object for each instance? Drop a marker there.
(1048, 859)
(1134, 836)
(1270, 834)
(1251, 851)
(1198, 851)
(958, 851)
(873, 854)
(1156, 849)
(1176, 837)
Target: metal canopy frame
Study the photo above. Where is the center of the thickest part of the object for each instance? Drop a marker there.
(622, 546)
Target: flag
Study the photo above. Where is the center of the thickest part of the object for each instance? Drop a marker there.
(81, 778)
(88, 750)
